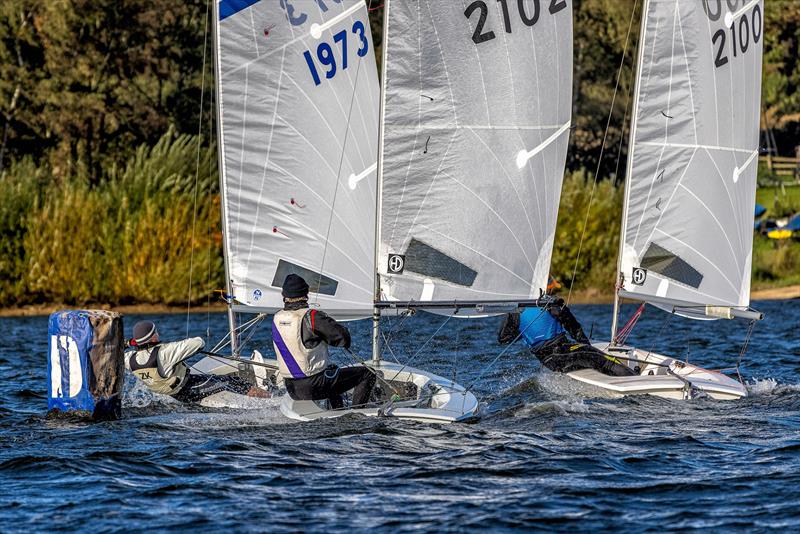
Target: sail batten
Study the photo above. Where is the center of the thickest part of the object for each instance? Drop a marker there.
(687, 220)
(298, 108)
(477, 105)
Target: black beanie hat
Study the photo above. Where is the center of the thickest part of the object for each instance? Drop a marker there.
(294, 286)
(143, 331)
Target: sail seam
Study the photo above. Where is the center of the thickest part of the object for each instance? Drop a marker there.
(719, 224)
(696, 146)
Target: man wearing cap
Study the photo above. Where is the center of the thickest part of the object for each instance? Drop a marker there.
(162, 367)
(544, 330)
(301, 338)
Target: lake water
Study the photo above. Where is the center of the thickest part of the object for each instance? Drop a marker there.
(545, 455)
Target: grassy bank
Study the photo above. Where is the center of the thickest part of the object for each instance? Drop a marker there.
(128, 239)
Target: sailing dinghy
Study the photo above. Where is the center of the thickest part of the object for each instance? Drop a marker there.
(298, 112)
(439, 194)
(687, 232)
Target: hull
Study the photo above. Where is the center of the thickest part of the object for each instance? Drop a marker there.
(435, 399)
(681, 381)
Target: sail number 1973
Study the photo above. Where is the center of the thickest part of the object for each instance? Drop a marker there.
(326, 57)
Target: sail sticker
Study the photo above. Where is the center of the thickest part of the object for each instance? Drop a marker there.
(638, 276)
(397, 263)
(317, 29)
(662, 261)
(524, 155)
(352, 182)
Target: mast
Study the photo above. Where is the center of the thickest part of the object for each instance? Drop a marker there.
(620, 277)
(221, 170)
(376, 313)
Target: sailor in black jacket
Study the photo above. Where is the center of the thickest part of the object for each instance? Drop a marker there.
(301, 338)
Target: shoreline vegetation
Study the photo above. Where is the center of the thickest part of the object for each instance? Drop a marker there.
(110, 196)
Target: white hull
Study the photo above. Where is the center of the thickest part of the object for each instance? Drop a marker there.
(681, 382)
(438, 400)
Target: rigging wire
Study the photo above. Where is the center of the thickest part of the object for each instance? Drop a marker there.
(505, 349)
(339, 176)
(197, 166)
(413, 356)
(602, 150)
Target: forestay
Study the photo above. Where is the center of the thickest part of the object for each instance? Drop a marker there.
(688, 219)
(477, 103)
(299, 103)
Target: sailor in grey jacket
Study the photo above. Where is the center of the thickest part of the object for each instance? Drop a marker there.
(162, 368)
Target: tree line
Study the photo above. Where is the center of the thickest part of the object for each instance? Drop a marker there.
(100, 103)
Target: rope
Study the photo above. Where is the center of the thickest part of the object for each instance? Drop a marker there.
(602, 150)
(197, 167)
(744, 349)
(491, 364)
(625, 331)
(413, 356)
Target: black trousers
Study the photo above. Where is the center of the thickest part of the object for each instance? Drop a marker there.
(198, 387)
(331, 383)
(562, 356)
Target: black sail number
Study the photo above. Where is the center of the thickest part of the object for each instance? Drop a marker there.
(719, 37)
(479, 37)
(747, 26)
(556, 6)
(533, 19)
(529, 13)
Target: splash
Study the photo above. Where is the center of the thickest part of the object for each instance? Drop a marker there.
(769, 386)
(137, 395)
(558, 407)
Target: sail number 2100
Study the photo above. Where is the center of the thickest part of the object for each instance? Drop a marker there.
(327, 58)
(748, 26)
(529, 15)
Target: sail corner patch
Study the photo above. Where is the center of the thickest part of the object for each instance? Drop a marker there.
(662, 261)
(231, 7)
(421, 258)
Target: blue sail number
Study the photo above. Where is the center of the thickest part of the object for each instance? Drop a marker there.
(325, 53)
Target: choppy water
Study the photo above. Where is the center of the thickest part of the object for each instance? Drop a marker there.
(545, 455)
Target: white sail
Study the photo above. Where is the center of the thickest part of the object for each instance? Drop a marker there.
(477, 103)
(299, 106)
(688, 218)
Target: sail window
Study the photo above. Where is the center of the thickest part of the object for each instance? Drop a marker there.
(662, 261)
(317, 283)
(425, 260)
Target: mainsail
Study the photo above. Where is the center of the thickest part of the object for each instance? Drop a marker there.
(477, 103)
(688, 217)
(299, 103)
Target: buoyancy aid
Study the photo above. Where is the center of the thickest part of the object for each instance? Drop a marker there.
(295, 360)
(144, 364)
(538, 327)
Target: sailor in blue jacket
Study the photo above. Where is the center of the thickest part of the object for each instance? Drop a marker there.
(545, 331)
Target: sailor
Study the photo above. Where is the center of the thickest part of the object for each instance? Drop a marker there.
(162, 368)
(544, 331)
(301, 338)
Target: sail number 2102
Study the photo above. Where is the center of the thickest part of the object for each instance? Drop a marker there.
(529, 11)
(326, 56)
